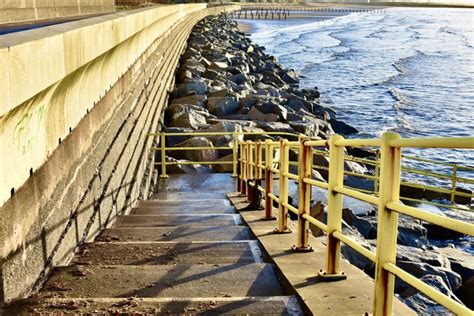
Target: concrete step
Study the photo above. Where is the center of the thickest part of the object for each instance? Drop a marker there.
(275, 305)
(182, 280)
(198, 183)
(181, 210)
(215, 203)
(178, 220)
(191, 195)
(187, 233)
(158, 253)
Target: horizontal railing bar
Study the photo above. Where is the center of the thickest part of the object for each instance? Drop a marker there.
(273, 197)
(355, 246)
(196, 163)
(261, 189)
(261, 166)
(441, 205)
(439, 142)
(290, 208)
(360, 175)
(443, 221)
(189, 148)
(275, 170)
(319, 184)
(315, 143)
(427, 173)
(357, 195)
(436, 189)
(427, 290)
(315, 222)
(291, 176)
(375, 142)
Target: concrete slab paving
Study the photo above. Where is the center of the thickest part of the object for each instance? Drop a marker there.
(353, 296)
(173, 233)
(161, 253)
(274, 305)
(182, 280)
(181, 210)
(175, 220)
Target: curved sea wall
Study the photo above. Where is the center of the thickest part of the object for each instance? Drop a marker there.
(454, 3)
(76, 107)
(14, 11)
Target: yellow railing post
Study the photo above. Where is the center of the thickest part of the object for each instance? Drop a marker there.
(235, 141)
(387, 226)
(244, 168)
(305, 168)
(377, 172)
(163, 156)
(453, 184)
(258, 159)
(268, 180)
(334, 210)
(283, 189)
(250, 176)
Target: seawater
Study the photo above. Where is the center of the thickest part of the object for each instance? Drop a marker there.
(406, 70)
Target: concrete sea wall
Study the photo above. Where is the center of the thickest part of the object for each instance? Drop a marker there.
(456, 3)
(13, 11)
(77, 103)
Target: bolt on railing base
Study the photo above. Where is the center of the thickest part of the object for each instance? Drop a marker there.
(302, 249)
(322, 275)
(284, 231)
(271, 218)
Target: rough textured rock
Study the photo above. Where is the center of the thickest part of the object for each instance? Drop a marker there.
(196, 155)
(222, 105)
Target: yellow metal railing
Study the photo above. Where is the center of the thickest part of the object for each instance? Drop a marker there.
(254, 162)
(453, 178)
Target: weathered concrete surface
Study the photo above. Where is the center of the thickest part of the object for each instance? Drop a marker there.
(275, 305)
(208, 276)
(353, 296)
(166, 253)
(33, 10)
(183, 234)
(79, 153)
(173, 220)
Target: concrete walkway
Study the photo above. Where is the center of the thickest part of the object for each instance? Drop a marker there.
(183, 251)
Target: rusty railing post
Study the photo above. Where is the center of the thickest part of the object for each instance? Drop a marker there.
(268, 181)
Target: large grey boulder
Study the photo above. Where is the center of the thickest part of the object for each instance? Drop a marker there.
(255, 115)
(196, 155)
(195, 87)
(222, 105)
(188, 119)
(197, 100)
(290, 77)
(272, 107)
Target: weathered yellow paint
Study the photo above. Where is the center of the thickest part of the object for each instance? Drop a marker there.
(388, 209)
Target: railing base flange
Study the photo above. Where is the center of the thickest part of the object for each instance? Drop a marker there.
(302, 249)
(284, 231)
(271, 218)
(164, 176)
(322, 275)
